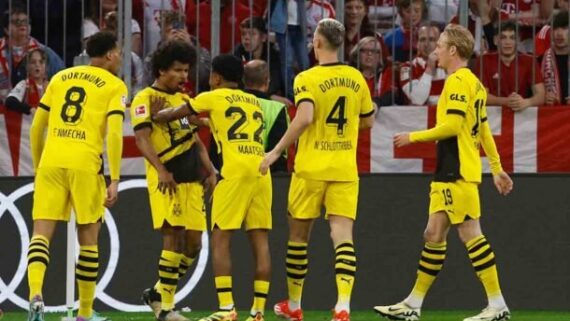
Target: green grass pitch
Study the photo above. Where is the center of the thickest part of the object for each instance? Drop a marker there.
(322, 316)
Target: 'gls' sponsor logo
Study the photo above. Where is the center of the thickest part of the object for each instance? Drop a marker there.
(457, 97)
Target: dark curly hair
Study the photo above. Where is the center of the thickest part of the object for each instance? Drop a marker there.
(169, 52)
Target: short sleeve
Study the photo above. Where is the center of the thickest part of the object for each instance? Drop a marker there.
(458, 96)
(140, 111)
(118, 100)
(366, 107)
(301, 90)
(201, 103)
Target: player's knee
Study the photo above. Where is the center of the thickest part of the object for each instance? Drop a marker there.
(433, 235)
(192, 250)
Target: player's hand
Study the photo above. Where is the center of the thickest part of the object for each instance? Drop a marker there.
(503, 183)
(112, 194)
(402, 139)
(166, 182)
(210, 184)
(156, 105)
(269, 159)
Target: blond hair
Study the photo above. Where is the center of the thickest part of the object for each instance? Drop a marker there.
(333, 32)
(461, 38)
(353, 57)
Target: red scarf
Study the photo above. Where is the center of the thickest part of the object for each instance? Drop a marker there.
(550, 73)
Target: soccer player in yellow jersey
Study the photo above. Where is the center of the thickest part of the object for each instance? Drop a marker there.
(174, 159)
(461, 129)
(243, 196)
(333, 102)
(81, 107)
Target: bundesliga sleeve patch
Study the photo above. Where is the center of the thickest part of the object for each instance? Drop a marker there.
(140, 111)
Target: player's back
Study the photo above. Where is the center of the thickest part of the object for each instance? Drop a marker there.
(458, 157)
(79, 99)
(236, 121)
(327, 149)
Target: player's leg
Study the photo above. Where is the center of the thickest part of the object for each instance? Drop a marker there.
(341, 202)
(230, 201)
(38, 261)
(305, 202)
(168, 268)
(483, 261)
(258, 223)
(190, 250)
(431, 262)
(259, 240)
(51, 204)
(222, 264)
(192, 242)
(87, 268)
(345, 262)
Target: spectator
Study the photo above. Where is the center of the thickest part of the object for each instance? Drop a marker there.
(93, 22)
(229, 25)
(517, 91)
(26, 95)
(439, 11)
(23, 101)
(137, 69)
(275, 118)
(542, 39)
(421, 80)
(358, 26)
(15, 47)
(555, 62)
(482, 17)
(288, 21)
(317, 10)
(402, 40)
(151, 15)
(46, 25)
(527, 14)
(366, 56)
(254, 45)
(173, 28)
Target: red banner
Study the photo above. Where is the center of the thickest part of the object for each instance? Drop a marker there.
(536, 140)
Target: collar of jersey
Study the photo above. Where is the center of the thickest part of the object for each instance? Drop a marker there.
(338, 63)
(164, 91)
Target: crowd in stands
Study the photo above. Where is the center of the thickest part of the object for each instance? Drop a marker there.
(521, 50)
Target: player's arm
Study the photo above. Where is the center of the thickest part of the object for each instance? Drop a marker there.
(502, 181)
(211, 179)
(170, 114)
(37, 130)
(302, 120)
(166, 181)
(458, 98)
(368, 121)
(368, 108)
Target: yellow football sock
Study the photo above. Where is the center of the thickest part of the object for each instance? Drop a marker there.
(224, 290)
(86, 272)
(297, 266)
(483, 261)
(431, 262)
(168, 273)
(345, 270)
(260, 289)
(38, 260)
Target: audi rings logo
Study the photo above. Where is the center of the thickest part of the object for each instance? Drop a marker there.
(8, 289)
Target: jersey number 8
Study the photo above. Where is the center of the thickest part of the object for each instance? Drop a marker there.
(72, 109)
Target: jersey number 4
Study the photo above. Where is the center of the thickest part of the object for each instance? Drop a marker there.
(337, 116)
(235, 132)
(72, 109)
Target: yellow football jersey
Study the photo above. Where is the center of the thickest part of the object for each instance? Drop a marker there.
(79, 99)
(236, 121)
(169, 139)
(458, 157)
(327, 148)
